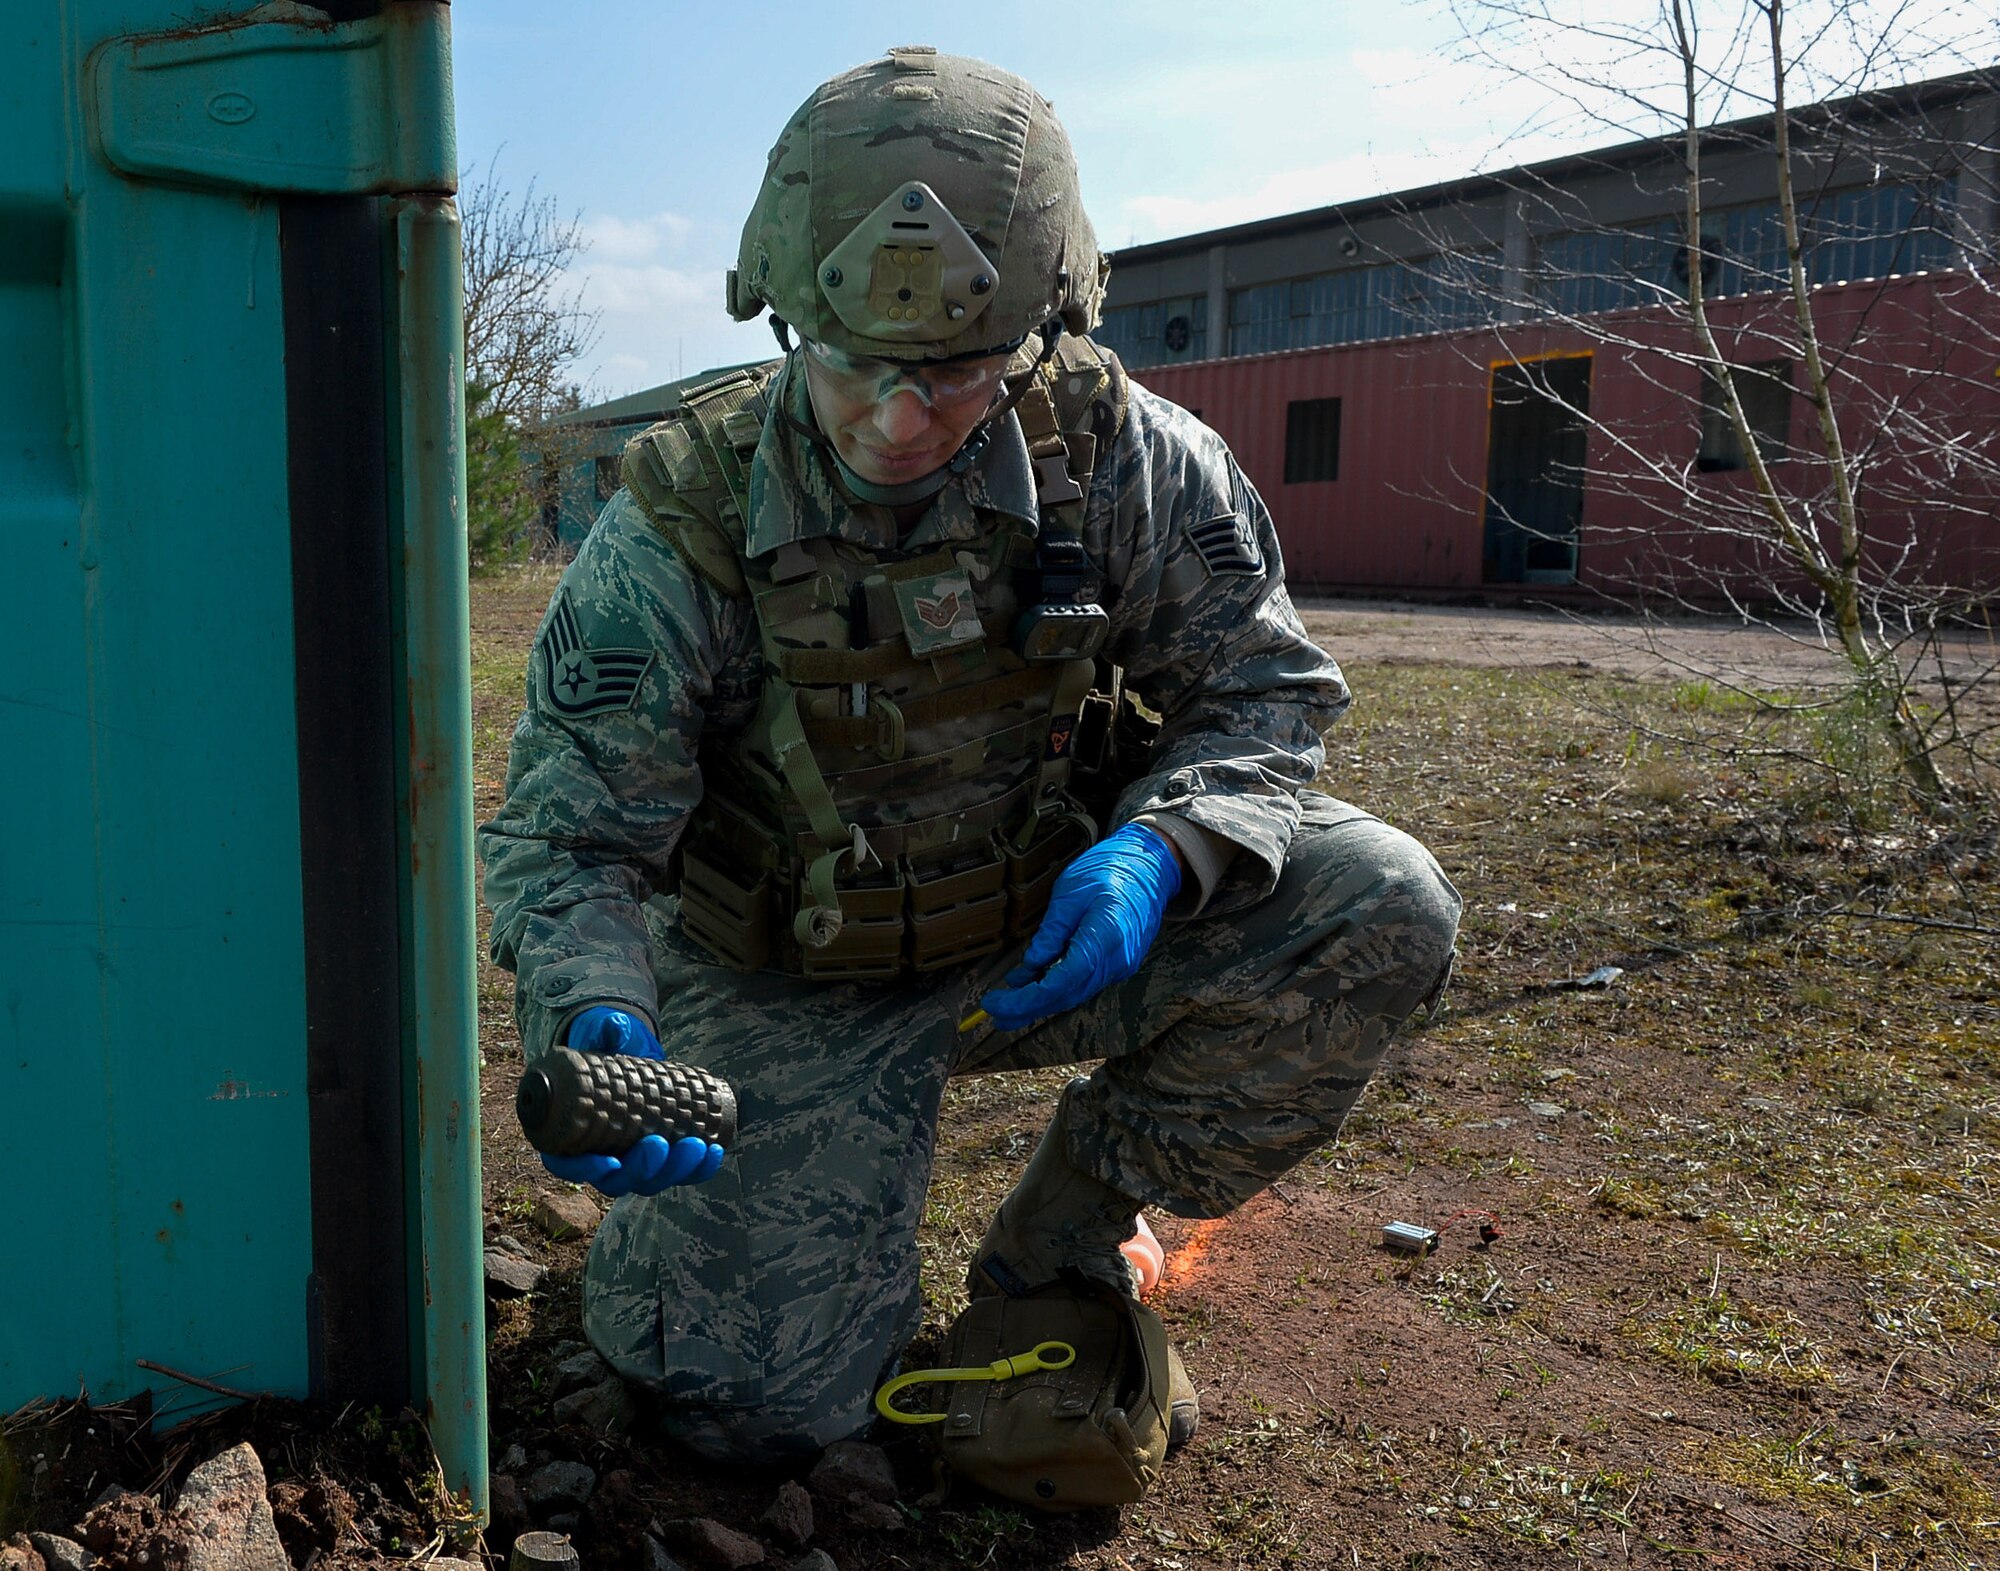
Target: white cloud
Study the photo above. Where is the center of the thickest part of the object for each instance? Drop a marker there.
(615, 239)
(655, 282)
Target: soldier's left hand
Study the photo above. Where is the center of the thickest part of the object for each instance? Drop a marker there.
(649, 1167)
(652, 1164)
(1102, 919)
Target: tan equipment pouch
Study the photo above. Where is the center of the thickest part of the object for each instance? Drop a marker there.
(1015, 1416)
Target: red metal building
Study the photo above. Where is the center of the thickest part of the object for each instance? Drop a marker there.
(1420, 436)
(1497, 383)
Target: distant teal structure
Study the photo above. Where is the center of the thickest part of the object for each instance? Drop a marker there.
(578, 461)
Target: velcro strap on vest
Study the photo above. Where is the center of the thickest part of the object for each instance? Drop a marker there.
(951, 763)
(827, 667)
(1071, 691)
(819, 920)
(877, 731)
(889, 841)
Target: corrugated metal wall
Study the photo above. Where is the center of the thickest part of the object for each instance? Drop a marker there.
(1406, 509)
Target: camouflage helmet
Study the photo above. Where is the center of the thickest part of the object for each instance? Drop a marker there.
(919, 207)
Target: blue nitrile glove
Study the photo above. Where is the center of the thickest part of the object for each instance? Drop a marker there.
(654, 1163)
(1103, 917)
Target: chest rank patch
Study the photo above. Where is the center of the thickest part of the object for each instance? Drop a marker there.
(1227, 545)
(939, 612)
(577, 681)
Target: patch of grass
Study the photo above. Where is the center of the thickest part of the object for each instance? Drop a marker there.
(1897, 1480)
(974, 1535)
(1635, 1198)
(1700, 696)
(1540, 1503)
(1721, 1339)
(1254, 1528)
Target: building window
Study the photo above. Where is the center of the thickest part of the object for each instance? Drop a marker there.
(607, 477)
(1455, 290)
(1765, 390)
(1612, 269)
(1312, 440)
(1157, 332)
(1877, 230)
(1391, 300)
(1856, 232)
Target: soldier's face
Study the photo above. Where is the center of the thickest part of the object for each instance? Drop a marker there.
(892, 424)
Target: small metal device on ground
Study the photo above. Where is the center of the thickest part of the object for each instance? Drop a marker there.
(573, 1104)
(1408, 1238)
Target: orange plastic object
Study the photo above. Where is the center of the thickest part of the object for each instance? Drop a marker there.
(1147, 1257)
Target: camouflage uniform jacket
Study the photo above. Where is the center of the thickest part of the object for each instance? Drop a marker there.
(641, 658)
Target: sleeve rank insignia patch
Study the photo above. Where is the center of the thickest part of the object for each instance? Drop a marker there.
(1227, 544)
(578, 682)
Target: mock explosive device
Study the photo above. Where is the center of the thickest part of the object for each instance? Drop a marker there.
(574, 1104)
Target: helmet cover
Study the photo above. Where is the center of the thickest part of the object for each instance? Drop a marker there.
(921, 206)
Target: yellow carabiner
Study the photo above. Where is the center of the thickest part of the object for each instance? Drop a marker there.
(1047, 1355)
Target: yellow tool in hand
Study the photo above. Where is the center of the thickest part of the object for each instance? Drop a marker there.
(973, 1021)
(1047, 1355)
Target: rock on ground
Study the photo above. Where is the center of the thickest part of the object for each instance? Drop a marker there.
(853, 1469)
(566, 1213)
(789, 1518)
(509, 1506)
(708, 1541)
(608, 1408)
(17, 1554)
(511, 1276)
(580, 1370)
(61, 1554)
(818, 1560)
(558, 1485)
(875, 1516)
(227, 1516)
(656, 1558)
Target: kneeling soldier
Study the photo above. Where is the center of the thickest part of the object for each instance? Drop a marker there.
(932, 638)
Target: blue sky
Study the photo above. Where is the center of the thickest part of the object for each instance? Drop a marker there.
(651, 121)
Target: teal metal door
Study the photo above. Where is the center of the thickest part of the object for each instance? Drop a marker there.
(235, 875)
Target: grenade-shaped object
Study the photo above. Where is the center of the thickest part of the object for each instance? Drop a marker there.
(574, 1103)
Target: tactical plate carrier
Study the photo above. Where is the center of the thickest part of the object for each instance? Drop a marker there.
(903, 799)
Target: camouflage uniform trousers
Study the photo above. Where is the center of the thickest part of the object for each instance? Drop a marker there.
(763, 1307)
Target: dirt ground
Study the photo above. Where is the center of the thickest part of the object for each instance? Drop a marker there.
(1742, 1311)
(1744, 1305)
(1780, 656)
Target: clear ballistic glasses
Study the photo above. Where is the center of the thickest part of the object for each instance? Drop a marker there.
(950, 383)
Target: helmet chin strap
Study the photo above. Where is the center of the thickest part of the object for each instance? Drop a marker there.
(970, 451)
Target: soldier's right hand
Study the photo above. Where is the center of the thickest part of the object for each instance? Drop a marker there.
(653, 1164)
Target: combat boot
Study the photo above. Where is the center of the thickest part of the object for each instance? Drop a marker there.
(1057, 1217)
(1183, 1405)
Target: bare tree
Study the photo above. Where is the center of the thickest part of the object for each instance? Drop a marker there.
(1871, 528)
(525, 324)
(525, 329)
